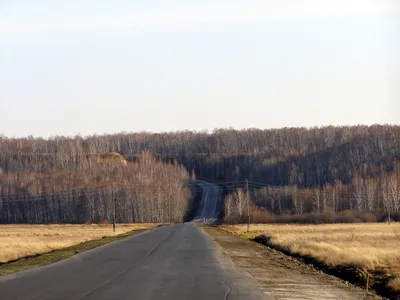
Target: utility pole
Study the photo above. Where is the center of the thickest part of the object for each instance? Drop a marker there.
(389, 204)
(114, 207)
(248, 205)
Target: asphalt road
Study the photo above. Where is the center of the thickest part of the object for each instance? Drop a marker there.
(170, 262)
(210, 203)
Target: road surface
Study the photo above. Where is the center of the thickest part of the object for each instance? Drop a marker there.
(210, 203)
(171, 262)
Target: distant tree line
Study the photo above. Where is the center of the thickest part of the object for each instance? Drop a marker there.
(143, 191)
(364, 200)
(315, 170)
(306, 157)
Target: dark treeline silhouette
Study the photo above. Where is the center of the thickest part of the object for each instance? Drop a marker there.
(318, 161)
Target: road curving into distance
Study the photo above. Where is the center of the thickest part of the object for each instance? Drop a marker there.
(177, 261)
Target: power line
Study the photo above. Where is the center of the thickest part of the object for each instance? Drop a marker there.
(61, 194)
(193, 186)
(50, 197)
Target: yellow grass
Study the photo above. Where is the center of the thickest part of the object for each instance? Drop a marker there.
(395, 284)
(18, 241)
(368, 246)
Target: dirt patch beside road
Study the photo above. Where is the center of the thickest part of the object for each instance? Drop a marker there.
(282, 276)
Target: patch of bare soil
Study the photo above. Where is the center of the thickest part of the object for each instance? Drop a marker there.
(282, 276)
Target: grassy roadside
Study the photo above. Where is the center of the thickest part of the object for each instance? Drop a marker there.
(57, 255)
(282, 276)
(363, 254)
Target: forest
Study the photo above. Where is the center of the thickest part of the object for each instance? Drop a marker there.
(291, 172)
(107, 190)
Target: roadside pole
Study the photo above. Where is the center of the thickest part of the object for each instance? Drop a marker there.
(248, 205)
(114, 207)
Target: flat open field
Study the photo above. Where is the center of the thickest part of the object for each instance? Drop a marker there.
(370, 247)
(17, 241)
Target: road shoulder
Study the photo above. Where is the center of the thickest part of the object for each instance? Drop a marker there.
(282, 277)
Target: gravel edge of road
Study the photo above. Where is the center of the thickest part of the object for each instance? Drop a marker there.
(278, 259)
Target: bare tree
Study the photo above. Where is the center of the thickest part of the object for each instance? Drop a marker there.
(358, 185)
(370, 187)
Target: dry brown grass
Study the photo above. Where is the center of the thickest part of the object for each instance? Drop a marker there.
(395, 284)
(18, 241)
(368, 246)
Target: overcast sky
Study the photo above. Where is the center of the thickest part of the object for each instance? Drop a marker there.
(91, 66)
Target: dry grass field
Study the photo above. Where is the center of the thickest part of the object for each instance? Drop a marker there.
(18, 241)
(369, 247)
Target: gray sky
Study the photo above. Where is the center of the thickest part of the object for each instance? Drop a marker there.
(94, 66)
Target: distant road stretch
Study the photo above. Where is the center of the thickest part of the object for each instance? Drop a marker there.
(210, 203)
(171, 262)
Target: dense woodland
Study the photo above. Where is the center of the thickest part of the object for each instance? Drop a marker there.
(298, 171)
(143, 191)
